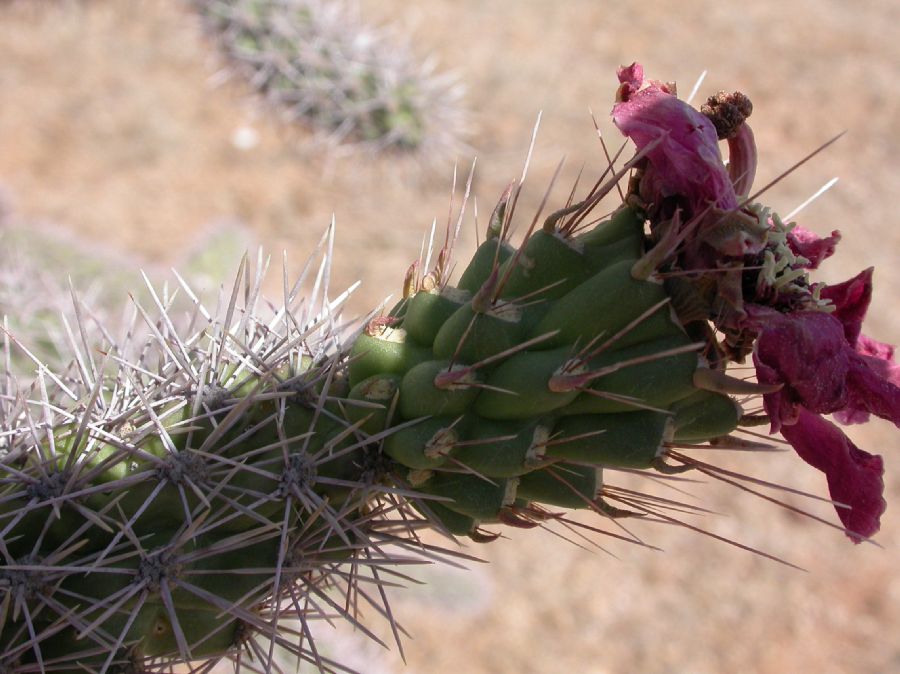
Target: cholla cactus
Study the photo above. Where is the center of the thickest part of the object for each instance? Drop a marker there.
(171, 499)
(320, 63)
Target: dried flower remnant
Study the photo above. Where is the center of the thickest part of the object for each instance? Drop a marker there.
(686, 163)
(805, 337)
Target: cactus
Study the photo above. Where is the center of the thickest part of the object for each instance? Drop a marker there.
(317, 61)
(172, 499)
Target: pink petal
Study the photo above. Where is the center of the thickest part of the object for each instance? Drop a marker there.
(807, 244)
(687, 160)
(854, 476)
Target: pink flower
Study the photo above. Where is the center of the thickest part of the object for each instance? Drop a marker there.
(687, 161)
(822, 372)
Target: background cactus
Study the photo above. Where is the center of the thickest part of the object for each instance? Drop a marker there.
(318, 62)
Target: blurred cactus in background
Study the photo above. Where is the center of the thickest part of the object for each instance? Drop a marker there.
(320, 63)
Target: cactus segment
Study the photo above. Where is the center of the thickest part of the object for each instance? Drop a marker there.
(428, 311)
(625, 440)
(549, 266)
(455, 523)
(619, 238)
(519, 387)
(422, 394)
(472, 496)
(377, 394)
(471, 336)
(503, 448)
(426, 444)
(653, 374)
(704, 415)
(562, 485)
(604, 293)
(626, 224)
(490, 255)
(387, 352)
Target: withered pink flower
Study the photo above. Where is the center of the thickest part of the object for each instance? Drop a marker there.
(823, 373)
(806, 338)
(880, 359)
(687, 161)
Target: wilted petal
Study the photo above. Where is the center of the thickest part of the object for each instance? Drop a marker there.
(820, 370)
(867, 346)
(880, 359)
(631, 78)
(851, 301)
(809, 245)
(687, 160)
(854, 476)
(873, 386)
(807, 352)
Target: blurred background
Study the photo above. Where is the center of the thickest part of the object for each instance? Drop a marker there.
(151, 133)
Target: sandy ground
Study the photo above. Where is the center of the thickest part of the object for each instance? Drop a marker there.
(114, 124)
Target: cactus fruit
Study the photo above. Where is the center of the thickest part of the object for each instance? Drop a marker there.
(170, 499)
(318, 62)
